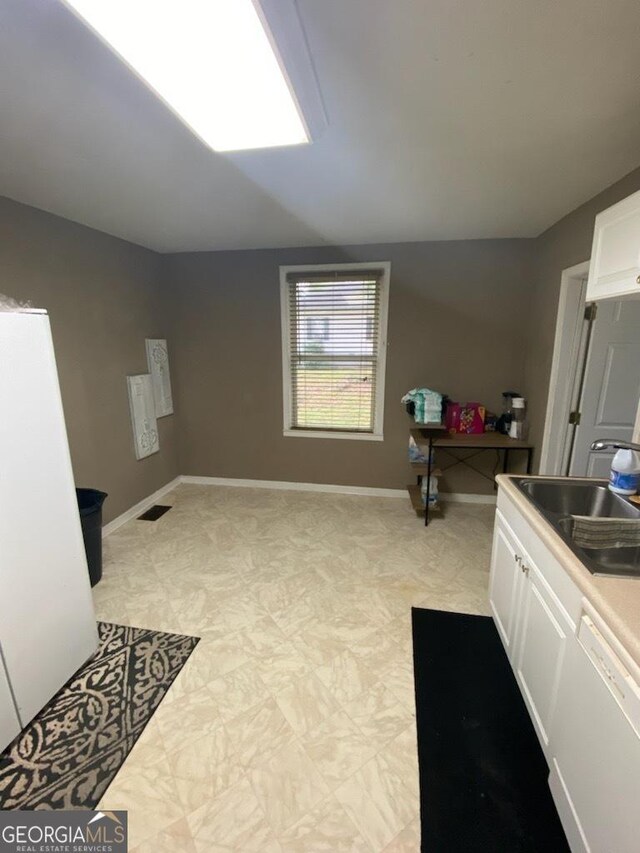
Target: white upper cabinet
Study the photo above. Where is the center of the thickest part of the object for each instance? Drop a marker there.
(615, 256)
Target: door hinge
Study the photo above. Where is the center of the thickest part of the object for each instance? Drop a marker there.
(590, 311)
(574, 418)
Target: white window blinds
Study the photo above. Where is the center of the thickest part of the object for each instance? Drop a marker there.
(334, 349)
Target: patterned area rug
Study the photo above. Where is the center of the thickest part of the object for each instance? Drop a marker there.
(69, 754)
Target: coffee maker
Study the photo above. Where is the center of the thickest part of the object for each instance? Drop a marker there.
(504, 421)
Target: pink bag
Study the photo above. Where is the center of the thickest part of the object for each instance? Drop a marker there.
(465, 418)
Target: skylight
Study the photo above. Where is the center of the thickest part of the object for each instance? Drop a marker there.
(211, 61)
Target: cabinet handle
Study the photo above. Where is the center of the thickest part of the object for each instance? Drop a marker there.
(525, 569)
(638, 280)
(517, 558)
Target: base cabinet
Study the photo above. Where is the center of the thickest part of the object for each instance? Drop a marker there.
(531, 622)
(580, 687)
(541, 650)
(506, 582)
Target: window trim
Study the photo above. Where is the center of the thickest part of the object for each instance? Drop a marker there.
(378, 421)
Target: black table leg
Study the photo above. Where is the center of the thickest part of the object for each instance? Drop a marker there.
(529, 459)
(426, 507)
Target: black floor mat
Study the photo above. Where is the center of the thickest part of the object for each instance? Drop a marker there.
(483, 776)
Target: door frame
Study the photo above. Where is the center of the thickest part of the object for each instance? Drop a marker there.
(567, 346)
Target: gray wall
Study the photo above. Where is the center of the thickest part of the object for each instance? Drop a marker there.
(456, 313)
(103, 298)
(566, 243)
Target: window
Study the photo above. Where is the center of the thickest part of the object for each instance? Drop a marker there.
(334, 329)
(317, 329)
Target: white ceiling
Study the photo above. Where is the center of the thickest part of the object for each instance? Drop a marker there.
(447, 119)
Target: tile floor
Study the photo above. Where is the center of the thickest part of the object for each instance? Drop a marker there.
(292, 726)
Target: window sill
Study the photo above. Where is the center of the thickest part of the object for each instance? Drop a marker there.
(312, 433)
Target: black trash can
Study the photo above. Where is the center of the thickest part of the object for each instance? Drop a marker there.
(90, 505)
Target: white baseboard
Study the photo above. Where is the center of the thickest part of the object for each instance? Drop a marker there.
(282, 485)
(366, 491)
(295, 487)
(139, 508)
(462, 498)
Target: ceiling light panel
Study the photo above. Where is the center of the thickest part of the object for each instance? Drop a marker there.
(211, 61)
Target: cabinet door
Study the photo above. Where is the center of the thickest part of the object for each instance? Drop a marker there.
(541, 648)
(615, 256)
(505, 582)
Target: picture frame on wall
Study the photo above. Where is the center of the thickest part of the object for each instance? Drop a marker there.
(143, 416)
(158, 363)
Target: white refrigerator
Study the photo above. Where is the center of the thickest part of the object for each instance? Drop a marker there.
(47, 622)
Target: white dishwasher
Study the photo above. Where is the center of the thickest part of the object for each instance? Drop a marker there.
(595, 770)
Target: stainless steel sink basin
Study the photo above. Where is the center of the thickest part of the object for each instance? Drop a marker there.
(561, 500)
(566, 497)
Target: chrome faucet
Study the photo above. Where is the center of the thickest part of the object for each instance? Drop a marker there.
(607, 443)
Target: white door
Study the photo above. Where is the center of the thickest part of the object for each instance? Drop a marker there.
(505, 582)
(611, 387)
(541, 648)
(47, 623)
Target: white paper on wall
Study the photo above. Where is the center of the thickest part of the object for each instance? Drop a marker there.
(143, 415)
(158, 362)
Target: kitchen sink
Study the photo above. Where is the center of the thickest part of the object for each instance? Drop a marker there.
(566, 497)
(561, 500)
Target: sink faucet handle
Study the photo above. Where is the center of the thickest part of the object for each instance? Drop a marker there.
(614, 443)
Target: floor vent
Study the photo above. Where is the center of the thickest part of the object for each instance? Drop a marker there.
(154, 513)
